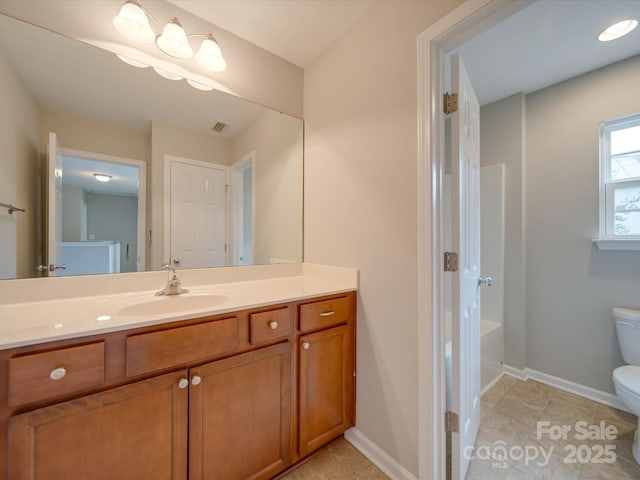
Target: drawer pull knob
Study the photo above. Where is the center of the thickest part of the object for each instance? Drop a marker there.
(273, 325)
(306, 345)
(183, 383)
(327, 314)
(195, 380)
(57, 373)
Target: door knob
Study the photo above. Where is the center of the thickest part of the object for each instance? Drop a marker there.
(486, 281)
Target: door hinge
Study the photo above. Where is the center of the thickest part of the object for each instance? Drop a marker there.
(450, 262)
(451, 422)
(450, 102)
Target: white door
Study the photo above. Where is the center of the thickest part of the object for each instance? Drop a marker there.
(198, 215)
(52, 265)
(465, 234)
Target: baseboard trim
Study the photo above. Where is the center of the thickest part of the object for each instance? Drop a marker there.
(377, 456)
(566, 385)
(491, 384)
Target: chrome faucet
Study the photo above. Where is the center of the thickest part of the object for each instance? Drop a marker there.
(173, 286)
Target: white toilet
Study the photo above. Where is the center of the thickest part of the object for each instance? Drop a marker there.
(627, 378)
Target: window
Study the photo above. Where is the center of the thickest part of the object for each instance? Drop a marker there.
(620, 178)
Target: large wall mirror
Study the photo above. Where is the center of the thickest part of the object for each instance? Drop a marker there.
(193, 178)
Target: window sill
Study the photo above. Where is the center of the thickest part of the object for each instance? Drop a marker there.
(623, 244)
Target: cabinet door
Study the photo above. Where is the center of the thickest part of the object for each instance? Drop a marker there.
(137, 431)
(240, 416)
(326, 387)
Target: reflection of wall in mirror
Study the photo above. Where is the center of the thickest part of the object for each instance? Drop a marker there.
(19, 173)
(277, 142)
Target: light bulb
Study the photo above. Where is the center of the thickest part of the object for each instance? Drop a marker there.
(167, 74)
(132, 62)
(173, 40)
(210, 55)
(617, 30)
(132, 22)
(199, 85)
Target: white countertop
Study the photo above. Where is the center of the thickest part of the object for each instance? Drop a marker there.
(39, 321)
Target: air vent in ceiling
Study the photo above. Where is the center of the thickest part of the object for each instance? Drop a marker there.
(218, 127)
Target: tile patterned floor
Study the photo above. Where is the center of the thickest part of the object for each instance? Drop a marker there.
(341, 461)
(511, 410)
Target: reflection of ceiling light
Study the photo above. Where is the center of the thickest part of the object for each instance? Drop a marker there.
(617, 30)
(101, 177)
(168, 75)
(131, 61)
(103, 318)
(198, 85)
(133, 23)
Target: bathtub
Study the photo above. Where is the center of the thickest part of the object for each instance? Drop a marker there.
(492, 352)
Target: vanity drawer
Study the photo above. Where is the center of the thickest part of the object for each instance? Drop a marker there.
(150, 352)
(324, 314)
(40, 376)
(269, 326)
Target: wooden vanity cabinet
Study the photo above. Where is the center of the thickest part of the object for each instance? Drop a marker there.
(137, 431)
(232, 397)
(326, 371)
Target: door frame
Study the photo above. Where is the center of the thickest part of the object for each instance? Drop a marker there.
(166, 234)
(142, 194)
(469, 19)
(237, 200)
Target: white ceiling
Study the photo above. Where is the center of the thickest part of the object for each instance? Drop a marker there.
(545, 43)
(296, 30)
(79, 172)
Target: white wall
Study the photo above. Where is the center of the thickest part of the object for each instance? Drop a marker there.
(360, 109)
(277, 142)
(502, 141)
(571, 286)
(19, 176)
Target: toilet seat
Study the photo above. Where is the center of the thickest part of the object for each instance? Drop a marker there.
(628, 377)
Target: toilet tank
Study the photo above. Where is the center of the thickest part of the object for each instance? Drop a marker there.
(628, 330)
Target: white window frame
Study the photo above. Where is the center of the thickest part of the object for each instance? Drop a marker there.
(608, 240)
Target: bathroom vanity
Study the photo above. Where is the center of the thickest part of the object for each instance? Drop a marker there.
(241, 394)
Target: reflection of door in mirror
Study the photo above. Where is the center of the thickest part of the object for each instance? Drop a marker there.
(96, 217)
(197, 223)
(242, 219)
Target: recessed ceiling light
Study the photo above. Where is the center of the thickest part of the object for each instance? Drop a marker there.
(617, 30)
(101, 177)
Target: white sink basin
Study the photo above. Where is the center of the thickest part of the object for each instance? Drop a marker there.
(172, 304)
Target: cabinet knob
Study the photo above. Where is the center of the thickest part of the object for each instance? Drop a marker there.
(328, 314)
(183, 383)
(195, 380)
(57, 373)
(306, 345)
(273, 325)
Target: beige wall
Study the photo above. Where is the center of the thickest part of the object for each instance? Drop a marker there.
(252, 73)
(19, 176)
(170, 140)
(360, 109)
(571, 286)
(502, 141)
(95, 136)
(276, 140)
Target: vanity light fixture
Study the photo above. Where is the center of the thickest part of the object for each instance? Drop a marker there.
(133, 23)
(617, 30)
(102, 177)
